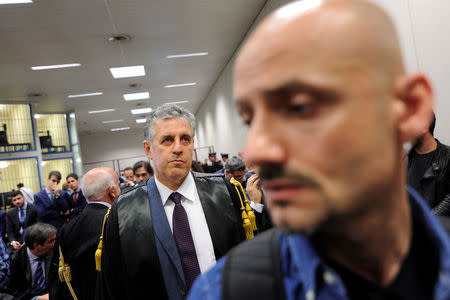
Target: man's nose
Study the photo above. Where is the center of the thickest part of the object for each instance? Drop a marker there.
(264, 143)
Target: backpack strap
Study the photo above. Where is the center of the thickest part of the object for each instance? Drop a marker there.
(253, 269)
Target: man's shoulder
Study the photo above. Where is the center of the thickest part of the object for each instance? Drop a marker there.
(137, 191)
(12, 211)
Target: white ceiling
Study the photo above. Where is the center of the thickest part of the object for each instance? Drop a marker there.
(50, 32)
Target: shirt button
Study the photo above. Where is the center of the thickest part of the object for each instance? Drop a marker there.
(328, 277)
(310, 295)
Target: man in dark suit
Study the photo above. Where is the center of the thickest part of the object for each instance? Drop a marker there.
(29, 268)
(21, 216)
(52, 205)
(77, 201)
(173, 226)
(79, 237)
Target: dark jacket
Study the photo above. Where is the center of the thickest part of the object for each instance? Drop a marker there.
(435, 183)
(50, 211)
(13, 224)
(20, 281)
(79, 239)
(139, 252)
(77, 208)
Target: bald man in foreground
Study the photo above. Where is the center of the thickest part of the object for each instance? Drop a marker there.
(79, 238)
(329, 76)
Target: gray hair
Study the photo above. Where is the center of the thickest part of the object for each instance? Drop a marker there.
(167, 111)
(38, 233)
(235, 164)
(96, 188)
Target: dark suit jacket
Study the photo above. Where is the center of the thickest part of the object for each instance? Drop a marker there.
(13, 225)
(81, 203)
(20, 281)
(50, 212)
(2, 224)
(79, 239)
(140, 255)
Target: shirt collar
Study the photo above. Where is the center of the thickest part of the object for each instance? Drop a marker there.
(31, 255)
(100, 202)
(24, 206)
(304, 262)
(187, 189)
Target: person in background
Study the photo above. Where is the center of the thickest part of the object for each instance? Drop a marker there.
(26, 192)
(29, 268)
(20, 217)
(2, 225)
(52, 205)
(77, 201)
(213, 165)
(429, 171)
(142, 171)
(128, 174)
(80, 237)
(329, 106)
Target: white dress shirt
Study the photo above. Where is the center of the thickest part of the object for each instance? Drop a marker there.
(197, 220)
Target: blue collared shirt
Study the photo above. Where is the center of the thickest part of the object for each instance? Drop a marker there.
(4, 265)
(301, 264)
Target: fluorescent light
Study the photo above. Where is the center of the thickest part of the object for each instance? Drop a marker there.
(187, 55)
(43, 163)
(1, 107)
(72, 115)
(36, 68)
(3, 164)
(15, 1)
(78, 160)
(136, 96)
(112, 121)
(140, 121)
(37, 116)
(101, 111)
(122, 72)
(85, 95)
(120, 129)
(180, 84)
(177, 102)
(141, 111)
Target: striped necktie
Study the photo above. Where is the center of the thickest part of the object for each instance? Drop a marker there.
(38, 287)
(184, 241)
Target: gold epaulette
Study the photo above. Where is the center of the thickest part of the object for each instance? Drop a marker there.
(248, 216)
(65, 274)
(98, 252)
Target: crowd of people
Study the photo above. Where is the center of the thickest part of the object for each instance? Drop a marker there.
(316, 205)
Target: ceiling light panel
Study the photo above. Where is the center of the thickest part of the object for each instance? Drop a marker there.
(123, 72)
(187, 55)
(111, 121)
(180, 85)
(177, 102)
(140, 121)
(120, 129)
(101, 111)
(15, 1)
(38, 68)
(85, 95)
(141, 111)
(136, 96)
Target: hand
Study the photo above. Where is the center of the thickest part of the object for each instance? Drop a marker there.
(16, 245)
(254, 189)
(43, 297)
(65, 213)
(130, 183)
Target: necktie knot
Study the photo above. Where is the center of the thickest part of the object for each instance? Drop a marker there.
(175, 197)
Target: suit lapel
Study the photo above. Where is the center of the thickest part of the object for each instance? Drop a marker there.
(161, 226)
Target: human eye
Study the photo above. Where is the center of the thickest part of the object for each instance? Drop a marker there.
(167, 140)
(246, 114)
(186, 139)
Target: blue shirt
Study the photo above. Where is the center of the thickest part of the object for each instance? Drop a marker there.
(301, 264)
(4, 265)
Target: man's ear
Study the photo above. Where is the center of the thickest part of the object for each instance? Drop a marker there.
(413, 107)
(147, 149)
(228, 174)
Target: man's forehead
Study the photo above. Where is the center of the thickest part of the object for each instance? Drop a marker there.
(172, 126)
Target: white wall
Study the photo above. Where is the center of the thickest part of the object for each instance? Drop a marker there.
(422, 27)
(108, 147)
